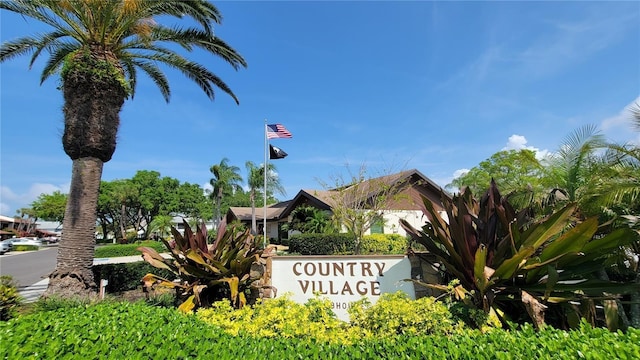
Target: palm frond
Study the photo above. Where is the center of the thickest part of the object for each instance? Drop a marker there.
(129, 31)
(156, 76)
(131, 73)
(203, 12)
(635, 113)
(56, 59)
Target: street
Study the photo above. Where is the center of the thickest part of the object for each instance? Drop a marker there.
(30, 267)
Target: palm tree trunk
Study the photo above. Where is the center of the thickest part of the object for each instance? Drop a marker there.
(254, 226)
(73, 276)
(93, 98)
(123, 216)
(218, 204)
(634, 311)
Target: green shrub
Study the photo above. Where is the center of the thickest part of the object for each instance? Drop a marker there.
(10, 299)
(321, 244)
(126, 276)
(53, 303)
(397, 314)
(138, 331)
(164, 299)
(384, 244)
(25, 248)
(117, 250)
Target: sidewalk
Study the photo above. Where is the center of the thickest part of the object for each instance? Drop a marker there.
(33, 292)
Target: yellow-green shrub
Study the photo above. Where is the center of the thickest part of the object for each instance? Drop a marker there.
(25, 248)
(384, 244)
(397, 314)
(9, 297)
(283, 318)
(393, 314)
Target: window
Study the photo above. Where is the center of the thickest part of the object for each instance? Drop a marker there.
(377, 226)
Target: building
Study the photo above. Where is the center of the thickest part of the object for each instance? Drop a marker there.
(18, 227)
(403, 201)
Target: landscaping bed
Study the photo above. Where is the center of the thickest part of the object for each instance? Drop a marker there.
(118, 330)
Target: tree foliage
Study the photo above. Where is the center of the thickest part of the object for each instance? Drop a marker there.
(515, 171)
(50, 207)
(256, 182)
(226, 181)
(135, 203)
(358, 202)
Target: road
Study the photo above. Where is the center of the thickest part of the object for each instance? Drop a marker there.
(30, 267)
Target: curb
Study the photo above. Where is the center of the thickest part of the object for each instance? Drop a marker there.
(31, 293)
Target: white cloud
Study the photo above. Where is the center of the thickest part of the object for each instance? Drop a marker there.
(519, 142)
(620, 124)
(4, 209)
(12, 201)
(460, 172)
(516, 142)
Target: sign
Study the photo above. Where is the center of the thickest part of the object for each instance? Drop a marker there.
(341, 279)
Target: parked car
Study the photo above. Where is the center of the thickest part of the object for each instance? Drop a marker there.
(24, 241)
(49, 239)
(4, 247)
(8, 242)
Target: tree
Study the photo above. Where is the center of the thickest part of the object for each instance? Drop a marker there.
(226, 180)
(98, 47)
(50, 207)
(308, 219)
(162, 225)
(125, 194)
(255, 180)
(25, 226)
(192, 202)
(571, 166)
(519, 174)
(359, 201)
(613, 192)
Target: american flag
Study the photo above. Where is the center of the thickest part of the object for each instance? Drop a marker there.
(275, 131)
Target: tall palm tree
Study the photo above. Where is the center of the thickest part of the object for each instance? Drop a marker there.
(226, 180)
(98, 47)
(255, 180)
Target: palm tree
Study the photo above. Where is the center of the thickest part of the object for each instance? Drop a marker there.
(226, 180)
(570, 168)
(98, 47)
(161, 224)
(255, 180)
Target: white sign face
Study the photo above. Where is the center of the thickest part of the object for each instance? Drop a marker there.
(341, 279)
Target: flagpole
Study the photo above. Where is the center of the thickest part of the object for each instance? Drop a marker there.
(266, 168)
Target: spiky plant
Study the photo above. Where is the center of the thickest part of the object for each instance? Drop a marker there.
(500, 256)
(207, 273)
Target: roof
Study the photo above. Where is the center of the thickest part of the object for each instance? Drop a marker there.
(14, 219)
(273, 211)
(326, 199)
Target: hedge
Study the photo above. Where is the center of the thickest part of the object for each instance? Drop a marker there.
(321, 244)
(384, 244)
(25, 248)
(126, 276)
(117, 250)
(138, 331)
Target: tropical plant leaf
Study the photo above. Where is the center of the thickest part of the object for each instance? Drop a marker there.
(226, 263)
(151, 256)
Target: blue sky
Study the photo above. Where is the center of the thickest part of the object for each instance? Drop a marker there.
(435, 86)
